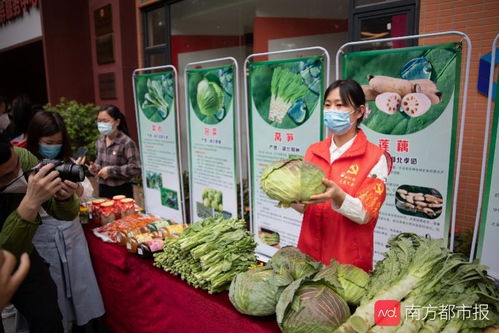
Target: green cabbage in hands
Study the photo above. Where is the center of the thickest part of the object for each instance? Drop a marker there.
(290, 181)
(309, 307)
(257, 291)
(210, 97)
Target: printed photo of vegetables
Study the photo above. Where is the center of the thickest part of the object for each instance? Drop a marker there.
(155, 95)
(419, 201)
(169, 198)
(212, 198)
(154, 180)
(406, 89)
(286, 93)
(211, 93)
(269, 237)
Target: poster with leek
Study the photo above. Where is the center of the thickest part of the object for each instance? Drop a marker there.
(212, 142)
(155, 101)
(488, 246)
(411, 96)
(285, 118)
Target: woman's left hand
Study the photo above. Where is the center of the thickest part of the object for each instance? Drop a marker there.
(331, 193)
(67, 190)
(103, 173)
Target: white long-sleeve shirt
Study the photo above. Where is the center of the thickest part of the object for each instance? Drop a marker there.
(351, 207)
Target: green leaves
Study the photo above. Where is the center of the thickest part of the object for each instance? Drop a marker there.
(80, 120)
(209, 253)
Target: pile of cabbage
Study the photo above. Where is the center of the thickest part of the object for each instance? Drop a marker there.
(305, 295)
(291, 181)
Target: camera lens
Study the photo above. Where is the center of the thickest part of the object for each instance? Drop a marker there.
(72, 172)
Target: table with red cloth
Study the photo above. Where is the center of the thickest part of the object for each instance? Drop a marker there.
(141, 298)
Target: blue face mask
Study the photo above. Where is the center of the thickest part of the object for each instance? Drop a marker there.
(105, 128)
(338, 122)
(49, 151)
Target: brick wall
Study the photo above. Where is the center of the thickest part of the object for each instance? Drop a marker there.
(479, 19)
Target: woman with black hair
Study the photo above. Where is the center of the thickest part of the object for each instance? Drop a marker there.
(21, 113)
(117, 159)
(63, 244)
(339, 223)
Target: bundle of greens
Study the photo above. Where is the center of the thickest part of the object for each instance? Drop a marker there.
(424, 275)
(209, 253)
(159, 96)
(286, 89)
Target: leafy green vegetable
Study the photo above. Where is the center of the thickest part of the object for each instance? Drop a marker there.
(291, 260)
(290, 181)
(158, 99)
(257, 291)
(422, 273)
(210, 97)
(310, 306)
(406, 265)
(348, 281)
(209, 253)
(286, 88)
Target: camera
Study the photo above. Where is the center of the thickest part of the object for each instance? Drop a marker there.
(67, 170)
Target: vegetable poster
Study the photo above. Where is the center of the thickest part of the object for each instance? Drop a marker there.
(488, 246)
(212, 146)
(155, 99)
(285, 118)
(412, 98)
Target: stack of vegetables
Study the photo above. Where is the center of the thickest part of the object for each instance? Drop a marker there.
(305, 295)
(420, 273)
(209, 253)
(423, 274)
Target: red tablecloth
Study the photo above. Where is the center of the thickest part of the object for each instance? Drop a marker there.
(142, 298)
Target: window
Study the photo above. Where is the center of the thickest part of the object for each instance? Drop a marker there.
(383, 19)
(156, 35)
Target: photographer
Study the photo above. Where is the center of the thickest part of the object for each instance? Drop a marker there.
(63, 245)
(21, 197)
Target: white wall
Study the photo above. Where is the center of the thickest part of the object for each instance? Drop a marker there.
(22, 29)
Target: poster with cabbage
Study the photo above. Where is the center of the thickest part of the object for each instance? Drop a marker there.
(157, 129)
(488, 246)
(212, 145)
(285, 118)
(412, 98)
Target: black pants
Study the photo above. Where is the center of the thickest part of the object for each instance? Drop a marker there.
(107, 191)
(36, 299)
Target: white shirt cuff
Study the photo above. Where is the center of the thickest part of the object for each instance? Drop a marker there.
(352, 209)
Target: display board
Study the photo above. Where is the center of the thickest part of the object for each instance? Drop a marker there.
(157, 121)
(285, 118)
(488, 246)
(212, 124)
(412, 98)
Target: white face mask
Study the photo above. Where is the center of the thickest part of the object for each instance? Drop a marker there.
(4, 121)
(19, 186)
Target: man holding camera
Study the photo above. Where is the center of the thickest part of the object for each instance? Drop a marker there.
(24, 190)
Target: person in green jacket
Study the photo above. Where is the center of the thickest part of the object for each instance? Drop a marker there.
(22, 195)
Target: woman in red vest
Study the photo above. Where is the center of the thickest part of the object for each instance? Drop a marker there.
(339, 223)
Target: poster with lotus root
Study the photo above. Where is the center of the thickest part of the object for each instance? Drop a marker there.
(212, 142)
(412, 104)
(488, 246)
(285, 118)
(155, 100)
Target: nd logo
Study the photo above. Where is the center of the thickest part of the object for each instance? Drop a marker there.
(378, 188)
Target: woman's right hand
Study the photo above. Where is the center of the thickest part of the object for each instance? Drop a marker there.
(93, 169)
(11, 278)
(299, 207)
(81, 160)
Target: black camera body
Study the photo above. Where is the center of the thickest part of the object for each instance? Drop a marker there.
(67, 170)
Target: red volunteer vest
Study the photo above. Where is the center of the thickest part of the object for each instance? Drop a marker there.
(326, 234)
